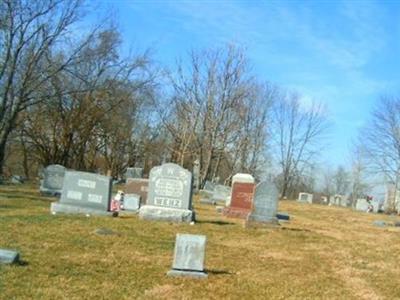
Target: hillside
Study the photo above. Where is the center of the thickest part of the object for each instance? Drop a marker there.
(322, 253)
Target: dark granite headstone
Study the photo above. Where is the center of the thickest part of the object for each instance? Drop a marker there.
(138, 186)
(241, 196)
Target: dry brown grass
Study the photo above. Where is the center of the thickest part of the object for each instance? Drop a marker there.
(323, 253)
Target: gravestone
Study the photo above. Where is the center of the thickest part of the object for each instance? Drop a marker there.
(8, 257)
(17, 179)
(305, 198)
(206, 194)
(377, 205)
(362, 205)
(170, 195)
(138, 186)
(189, 256)
(85, 193)
(131, 202)
(53, 178)
(242, 193)
(221, 193)
(133, 173)
(265, 205)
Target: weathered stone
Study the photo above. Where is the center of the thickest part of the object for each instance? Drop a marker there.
(379, 223)
(134, 173)
(265, 205)
(53, 178)
(362, 205)
(157, 213)
(222, 193)
(105, 231)
(189, 256)
(305, 198)
(8, 256)
(17, 179)
(84, 192)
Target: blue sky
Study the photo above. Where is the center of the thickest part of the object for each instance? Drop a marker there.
(344, 54)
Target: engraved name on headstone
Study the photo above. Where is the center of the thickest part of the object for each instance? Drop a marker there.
(170, 194)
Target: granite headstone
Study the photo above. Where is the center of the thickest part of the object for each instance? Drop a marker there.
(170, 195)
(265, 205)
(138, 186)
(241, 196)
(86, 193)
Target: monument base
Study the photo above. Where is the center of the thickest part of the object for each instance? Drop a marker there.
(231, 212)
(261, 221)
(156, 213)
(57, 207)
(194, 274)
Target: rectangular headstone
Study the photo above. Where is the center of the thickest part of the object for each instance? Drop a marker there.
(265, 205)
(53, 178)
(170, 194)
(362, 205)
(189, 256)
(8, 256)
(241, 197)
(139, 186)
(305, 198)
(86, 191)
(134, 173)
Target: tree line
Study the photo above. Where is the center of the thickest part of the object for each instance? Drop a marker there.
(69, 96)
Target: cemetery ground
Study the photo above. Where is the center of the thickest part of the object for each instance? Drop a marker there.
(322, 253)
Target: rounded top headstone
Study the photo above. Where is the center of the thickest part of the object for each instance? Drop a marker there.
(242, 177)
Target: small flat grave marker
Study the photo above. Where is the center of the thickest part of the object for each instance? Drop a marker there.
(8, 257)
(189, 256)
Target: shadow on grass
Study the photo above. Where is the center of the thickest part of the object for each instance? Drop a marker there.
(295, 229)
(218, 272)
(22, 263)
(219, 222)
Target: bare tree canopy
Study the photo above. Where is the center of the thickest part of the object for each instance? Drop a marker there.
(297, 134)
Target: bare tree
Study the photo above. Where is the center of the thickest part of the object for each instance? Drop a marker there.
(30, 31)
(297, 134)
(359, 183)
(380, 142)
(341, 181)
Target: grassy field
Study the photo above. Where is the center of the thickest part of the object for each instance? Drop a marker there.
(322, 253)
